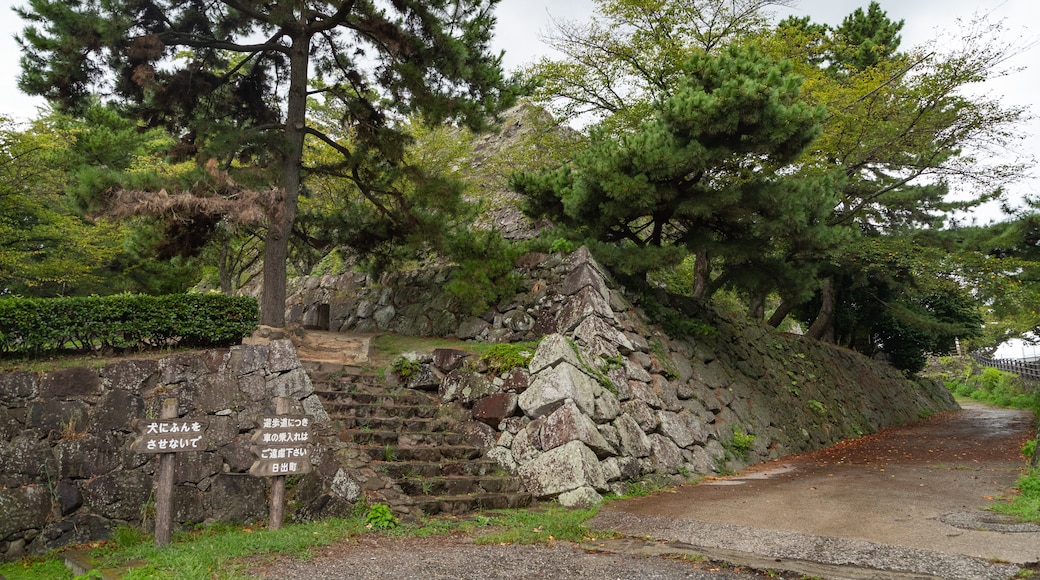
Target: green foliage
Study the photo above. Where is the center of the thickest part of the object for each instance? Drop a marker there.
(381, 518)
(902, 130)
(46, 249)
(675, 322)
(630, 53)
(504, 357)
(740, 444)
(863, 40)
(562, 245)
(900, 297)
(1029, 448)
(485, 274)
(993, 386)
(817, 407)
(405, 367)
(537, 527)
(34, 568)
(641, 488)
(1025, 505)
(38, 325)
(199, 71)
(700, 176)
(1002, 263)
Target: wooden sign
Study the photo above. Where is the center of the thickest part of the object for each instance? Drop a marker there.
(282, 446)
(170, 436)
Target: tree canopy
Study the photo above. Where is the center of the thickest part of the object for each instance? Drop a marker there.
(710, 173)
(902, 147)
(632, 52)
(233, 80)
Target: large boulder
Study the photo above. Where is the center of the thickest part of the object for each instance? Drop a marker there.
(565, 468)
(551, 387)
(568, 424)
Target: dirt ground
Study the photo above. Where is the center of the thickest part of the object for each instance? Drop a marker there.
(922, 488)
(907, 502)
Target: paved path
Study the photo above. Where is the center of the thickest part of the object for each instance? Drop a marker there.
(907, 501)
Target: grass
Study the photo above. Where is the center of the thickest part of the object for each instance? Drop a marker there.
(224, 551)
(211, 552)
(533, 526)
(58, 361)
(227, 551)
(1025, 504)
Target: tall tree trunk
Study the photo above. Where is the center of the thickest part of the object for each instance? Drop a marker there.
(224, 269)
(757, 306)
(823, 327)
(701, 274)
(781, 313)
(282, 213)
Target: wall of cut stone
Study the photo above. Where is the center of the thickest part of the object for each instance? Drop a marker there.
(609, 398)
(414, 303)
(68, 475)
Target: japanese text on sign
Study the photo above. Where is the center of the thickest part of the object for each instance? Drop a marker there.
(286, 437)
(170, 436)
(161, 427)
(285, 422)
(283, 452)
(171, 445)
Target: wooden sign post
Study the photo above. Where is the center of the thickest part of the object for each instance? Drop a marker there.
(167, 437)
(283, 447)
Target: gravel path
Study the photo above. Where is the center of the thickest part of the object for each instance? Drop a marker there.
(376, 557)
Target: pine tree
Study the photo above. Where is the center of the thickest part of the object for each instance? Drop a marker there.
(707, 175)
(232, 79)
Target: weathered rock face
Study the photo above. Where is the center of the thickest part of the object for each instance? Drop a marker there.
(608, 398)
(67, 473)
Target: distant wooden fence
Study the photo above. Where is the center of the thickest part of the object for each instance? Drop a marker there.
(1029, 371)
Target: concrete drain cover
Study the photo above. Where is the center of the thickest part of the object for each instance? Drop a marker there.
(987, 521)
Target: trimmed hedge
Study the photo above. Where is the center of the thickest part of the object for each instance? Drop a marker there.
(124, 321)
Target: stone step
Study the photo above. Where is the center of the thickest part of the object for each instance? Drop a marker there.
(407, 397)
(386, 423)
(339, 411)
(463, 504)
(402, 438)
(424, 453)
(326, 372)
(362, 382)
(401, 430)
(459, 485)
(402, 470)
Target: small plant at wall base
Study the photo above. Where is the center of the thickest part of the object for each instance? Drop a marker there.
(380, 518)
(739, 446)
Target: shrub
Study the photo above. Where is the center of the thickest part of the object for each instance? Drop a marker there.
(504, 357)
(405, 367)
(995, 387)
(41, 325)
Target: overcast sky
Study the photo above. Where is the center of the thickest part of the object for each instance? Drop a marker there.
(522, 23)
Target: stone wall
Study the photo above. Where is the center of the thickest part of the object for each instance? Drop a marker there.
(609, 398)
(68, 474)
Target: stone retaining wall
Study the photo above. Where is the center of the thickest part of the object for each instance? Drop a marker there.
(609, 398)
(67, 474)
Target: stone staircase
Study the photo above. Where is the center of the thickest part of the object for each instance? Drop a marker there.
(415, 440)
